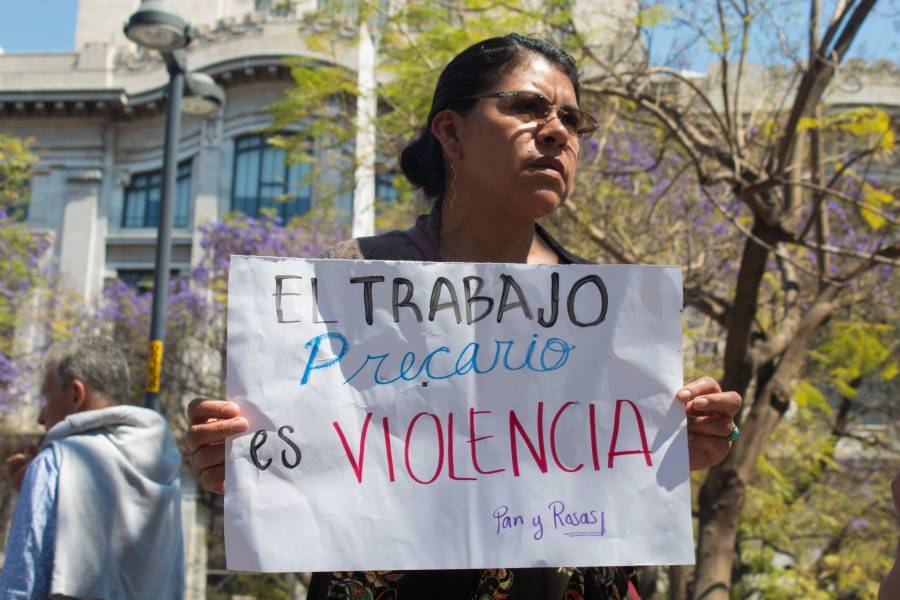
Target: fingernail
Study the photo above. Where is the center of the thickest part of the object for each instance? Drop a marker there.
(701, 403)
(240, 425)
(684, 393)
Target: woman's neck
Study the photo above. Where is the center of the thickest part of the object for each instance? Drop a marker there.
(475, 235)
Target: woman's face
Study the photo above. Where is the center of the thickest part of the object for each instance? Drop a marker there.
(523, 168)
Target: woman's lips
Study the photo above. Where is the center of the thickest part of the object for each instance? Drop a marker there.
(549, 166)
(549, 171)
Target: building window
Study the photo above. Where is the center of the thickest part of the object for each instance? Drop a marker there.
(263, 180)
(385, 187)
(143, 195)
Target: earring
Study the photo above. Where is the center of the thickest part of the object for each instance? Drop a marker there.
(452, 185)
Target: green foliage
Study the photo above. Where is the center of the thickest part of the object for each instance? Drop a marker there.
(806, 395)
(653, 15)
(865, 122)
(16, 161)
(418, 39)
(21, 270)
(818, 522)
(854, 350)
(814, 527)
(19, 274)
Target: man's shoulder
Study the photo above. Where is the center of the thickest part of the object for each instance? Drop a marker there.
(45, 462)
(391, 245)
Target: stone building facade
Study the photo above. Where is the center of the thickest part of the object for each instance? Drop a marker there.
(97, 117)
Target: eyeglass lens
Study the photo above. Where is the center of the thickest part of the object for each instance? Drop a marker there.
(533, 106)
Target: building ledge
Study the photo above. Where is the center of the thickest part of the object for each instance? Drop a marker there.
(144, 236)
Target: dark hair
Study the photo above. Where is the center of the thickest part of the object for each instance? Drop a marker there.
(471, 72)
(96, 362)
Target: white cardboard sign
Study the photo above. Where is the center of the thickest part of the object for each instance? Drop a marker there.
(448, 416)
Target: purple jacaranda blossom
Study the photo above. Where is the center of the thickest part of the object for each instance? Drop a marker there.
(24, 275)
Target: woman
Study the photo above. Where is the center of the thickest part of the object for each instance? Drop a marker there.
(498, 152)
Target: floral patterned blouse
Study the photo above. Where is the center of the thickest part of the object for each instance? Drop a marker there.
(587, 583)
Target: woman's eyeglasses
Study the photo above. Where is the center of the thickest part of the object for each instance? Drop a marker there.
(534, 106)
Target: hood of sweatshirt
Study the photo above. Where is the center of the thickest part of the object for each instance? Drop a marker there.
(140, 435)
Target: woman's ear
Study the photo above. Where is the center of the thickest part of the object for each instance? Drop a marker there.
(445, 127)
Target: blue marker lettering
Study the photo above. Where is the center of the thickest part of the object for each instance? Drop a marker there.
(314, 352)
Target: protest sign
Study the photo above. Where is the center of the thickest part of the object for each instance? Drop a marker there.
(446, 415)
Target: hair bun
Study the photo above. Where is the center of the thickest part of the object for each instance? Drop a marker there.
(412, 160)
(420, 165)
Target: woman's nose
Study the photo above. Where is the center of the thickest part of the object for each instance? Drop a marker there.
(552, 131)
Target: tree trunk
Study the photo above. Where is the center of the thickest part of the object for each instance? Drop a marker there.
(678, 583)
(649, 582)
(722, 494)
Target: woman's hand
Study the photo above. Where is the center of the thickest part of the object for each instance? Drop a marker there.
(710, 414)
(211, 422)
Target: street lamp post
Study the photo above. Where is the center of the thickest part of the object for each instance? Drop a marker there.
(159, 29)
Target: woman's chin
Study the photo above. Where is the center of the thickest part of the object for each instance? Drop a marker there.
(543, 202)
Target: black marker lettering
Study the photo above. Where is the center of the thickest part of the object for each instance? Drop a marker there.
(510, 283)
(315, 305)
(255, 444)
(367, 292)
(604, 300)
(294, 447)
(407, 299)
(473, 297)
(279, 313)
(436, 296)
(554, 302)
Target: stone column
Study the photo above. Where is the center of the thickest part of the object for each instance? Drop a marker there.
(205, 181)
(106, 205)
(78, 255)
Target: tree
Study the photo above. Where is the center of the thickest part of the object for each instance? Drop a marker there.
(779, 207)
(16, 160)
(21, 254)
(796, 183)
(818, 520)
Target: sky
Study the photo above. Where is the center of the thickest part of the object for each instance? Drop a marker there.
(49, 26)
(879, 37)
(37, 25)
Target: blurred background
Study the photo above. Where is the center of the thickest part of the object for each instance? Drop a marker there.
(751, 142)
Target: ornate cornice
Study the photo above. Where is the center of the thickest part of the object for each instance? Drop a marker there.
(132, 58)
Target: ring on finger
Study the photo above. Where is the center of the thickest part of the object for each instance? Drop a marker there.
(734, 435)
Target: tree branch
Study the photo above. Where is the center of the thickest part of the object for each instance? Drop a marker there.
(819, 73)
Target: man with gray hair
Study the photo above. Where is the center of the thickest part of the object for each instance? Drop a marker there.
(98, 515)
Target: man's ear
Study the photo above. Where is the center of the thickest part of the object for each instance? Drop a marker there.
(445, 127)
(79, 395)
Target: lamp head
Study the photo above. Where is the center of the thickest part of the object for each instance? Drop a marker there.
(158, 29)
(202, 97)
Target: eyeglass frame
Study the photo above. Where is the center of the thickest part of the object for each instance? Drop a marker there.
(580, 135)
